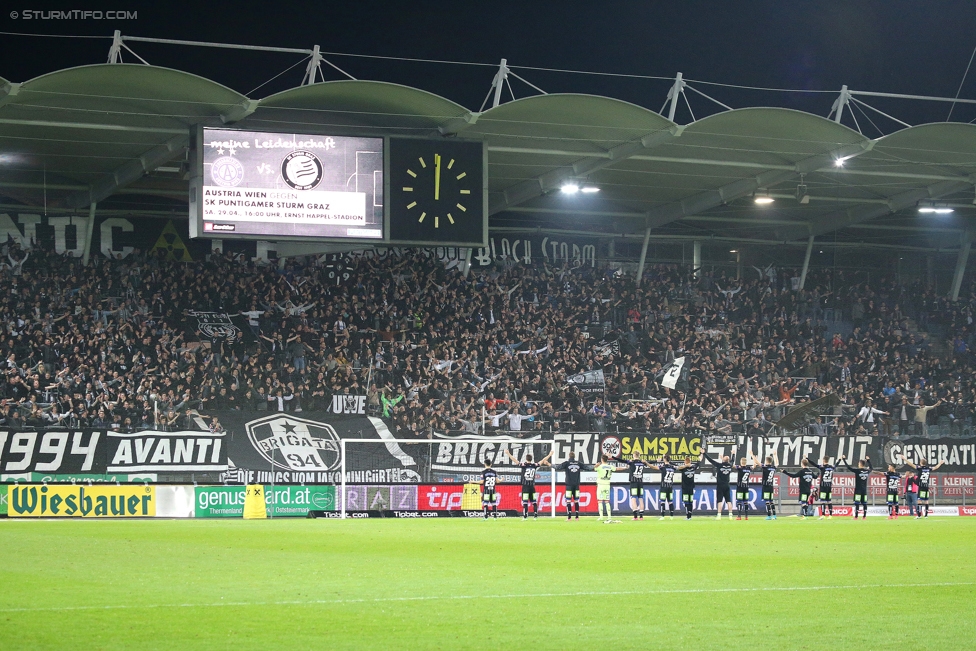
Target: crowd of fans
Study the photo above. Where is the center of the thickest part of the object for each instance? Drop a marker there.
(115, 345)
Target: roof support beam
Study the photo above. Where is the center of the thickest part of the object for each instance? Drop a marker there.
(8, 91)
(130, 172)
(239, 111)
(456, 125)
(91, 125)
(858, 214)
(966, 244)
(729, 192)
(540, 185)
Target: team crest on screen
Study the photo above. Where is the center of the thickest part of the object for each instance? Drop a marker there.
(227, 172)
(301, 170)
(295, 443)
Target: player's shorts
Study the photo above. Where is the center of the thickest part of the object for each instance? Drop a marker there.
(688, 496)
(826, 496)
(572, 492)
(637, 490)
(742, 496)
(804, 498)
(923, 495)
(892, 498)
(723, 493)
(489, 497)
(666, 494)
(603, 493)
(767, 495)
(860, 499)
(529, 494)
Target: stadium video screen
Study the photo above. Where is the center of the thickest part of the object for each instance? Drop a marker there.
(290, 185)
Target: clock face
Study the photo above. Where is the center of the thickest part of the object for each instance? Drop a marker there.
(436, 189)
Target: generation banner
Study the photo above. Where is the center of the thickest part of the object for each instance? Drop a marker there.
(39, 500)
(103, 455)
(956, 455)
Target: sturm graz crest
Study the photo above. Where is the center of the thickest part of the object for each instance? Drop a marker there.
(295, 443)
(301, 170)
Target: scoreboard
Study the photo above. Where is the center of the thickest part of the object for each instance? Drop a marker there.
(337, 188)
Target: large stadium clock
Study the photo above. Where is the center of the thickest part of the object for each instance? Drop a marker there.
(437, 192)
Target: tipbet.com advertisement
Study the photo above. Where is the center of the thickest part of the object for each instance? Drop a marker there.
(291, 185)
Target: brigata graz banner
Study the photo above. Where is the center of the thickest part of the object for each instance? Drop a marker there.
(100, 452)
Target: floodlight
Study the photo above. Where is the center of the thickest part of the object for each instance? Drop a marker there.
(569, 188)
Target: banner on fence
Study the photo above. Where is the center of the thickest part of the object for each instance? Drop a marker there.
(280, 501)
(956, 455)
(38, 500)
(104, 455)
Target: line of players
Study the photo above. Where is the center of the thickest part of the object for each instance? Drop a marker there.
(917, 485)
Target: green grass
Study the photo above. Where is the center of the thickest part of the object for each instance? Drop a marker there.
(509, 584)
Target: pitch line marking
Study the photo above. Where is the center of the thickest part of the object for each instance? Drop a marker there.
(538, 595)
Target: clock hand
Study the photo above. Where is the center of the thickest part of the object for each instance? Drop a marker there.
(437, 177)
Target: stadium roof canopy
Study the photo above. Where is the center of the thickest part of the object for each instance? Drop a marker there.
(85, 134)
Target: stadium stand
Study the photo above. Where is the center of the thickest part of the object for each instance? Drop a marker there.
(110, 345)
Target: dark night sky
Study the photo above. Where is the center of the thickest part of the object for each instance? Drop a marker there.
(893, 45)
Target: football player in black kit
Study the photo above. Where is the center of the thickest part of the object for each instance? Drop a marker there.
(529, 494)
(572, 468)
(688, 471)
(723, 472)
(806, 475)
(923, 473)
(742, 489)
(666, 490)
(826, 487)
(768, 483)
(861, 475)
(489, 498)
(893, 482)
(636, 468)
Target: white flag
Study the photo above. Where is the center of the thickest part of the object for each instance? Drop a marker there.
(673, 372)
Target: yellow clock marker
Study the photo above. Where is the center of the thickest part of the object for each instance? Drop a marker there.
(422, 163)
(461, 175)
(412, 173)
(463, 209)
(406, 189)
(465, 191)
(451, 164)
(437, 177)
(450, 218)
(411, 204)
(437, 221)
(422, 215)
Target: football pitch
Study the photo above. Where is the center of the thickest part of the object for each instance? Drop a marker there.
(505, 584)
